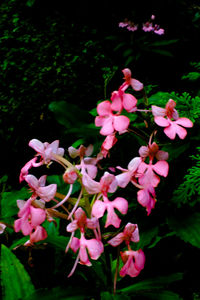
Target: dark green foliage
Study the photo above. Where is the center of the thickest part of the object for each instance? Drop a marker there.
(15, 280)
(188, 192)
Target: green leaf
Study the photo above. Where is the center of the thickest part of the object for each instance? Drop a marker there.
(147, 236)
(152, 284)
(164, 43)
(58, 241)
(162, 295)
(9, 202)
(70, 115)
(187, 228)
(16, 282)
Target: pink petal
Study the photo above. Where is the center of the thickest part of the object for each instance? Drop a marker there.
(26, 227)
(104, 108)
(48, 192)
(99, 121)
(116, 101)
(182, 132)
(123, 179)
(158, 111)
(144, 151)
(149, 178)
(95, 248)
(107, 127)
(75, 244)
(38, 216)
(91, 186)
(32, 181)
(42, 180)
(98, 209)
(184, 122)
(136, 84)
(134, 164)
(160, 121)
(121, 204)
(170, 131)
(129, 101)
(139, 259)
(54, 146)
(91, 170)
(117, 240)
(39, 234)
(162, 155)
(71, 227)
(161, 168)
(112, 217)
(36, 145)
(121, 123)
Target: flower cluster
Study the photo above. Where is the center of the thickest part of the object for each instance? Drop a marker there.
(94, 207)
(147, 26)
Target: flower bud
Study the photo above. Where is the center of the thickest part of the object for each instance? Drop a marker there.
(70, 176)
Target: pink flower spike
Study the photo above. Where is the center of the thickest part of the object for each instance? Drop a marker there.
(133, 262)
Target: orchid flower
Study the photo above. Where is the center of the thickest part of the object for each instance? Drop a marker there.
(108, 121)
(107, 184)
(39, 189)
(30, 218)
(99, 208)
(127, 174)
(172, 127)
(46, 151)
(135, 84)
(129, 234)
(133, 263)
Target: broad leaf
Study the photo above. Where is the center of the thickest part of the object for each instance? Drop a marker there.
(152, 284)
(187, 228)
(16, 282)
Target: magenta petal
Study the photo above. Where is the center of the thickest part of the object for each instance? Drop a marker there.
(17, 225)
(112, 217)
(26, 227)
(160, 121)
(107, 127)
(38, 216)
(98, 122)
(161, 168)
(98, 209)
(136, 84)
(184, 122)
(121, 123)
(139, 259)
(104, 108)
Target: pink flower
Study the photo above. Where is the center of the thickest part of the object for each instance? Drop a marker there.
(39, 189)
(158, 30)
(108, 143)
(70, 175)
(147, 172)
(130, 234)
(133, 262)
(29, 217)
(122, 100)
(99, 208)
(171, 127)
(107, 184)
(147, 198)
(46, 150)
(127, 175)
(81, 221)
(135, 84)
(147, 27)
(109, 121)
(151, 151)
(39, 234)
(24, 171)
(2, 227)
(93, 247)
